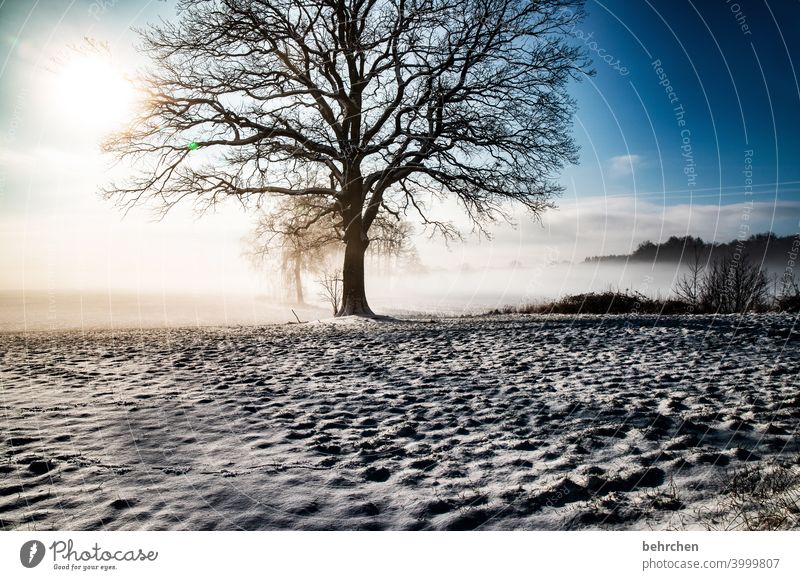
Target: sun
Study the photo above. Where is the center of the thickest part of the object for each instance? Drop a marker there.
(92, 93)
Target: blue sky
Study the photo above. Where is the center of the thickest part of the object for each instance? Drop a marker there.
(731, 67)
(738, 89)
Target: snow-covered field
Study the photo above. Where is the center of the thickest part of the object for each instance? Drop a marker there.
(472, 423)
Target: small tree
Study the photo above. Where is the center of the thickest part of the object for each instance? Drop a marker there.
(689, 286)
(331, 283)
(371, 107)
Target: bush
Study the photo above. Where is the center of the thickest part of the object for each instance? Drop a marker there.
(730, 285)
(788, 303)
(601, 303)
(788, 298)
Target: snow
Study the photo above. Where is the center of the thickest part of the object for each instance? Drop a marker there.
(515, 422)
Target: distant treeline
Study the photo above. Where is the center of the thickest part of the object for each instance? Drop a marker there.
(770, 249)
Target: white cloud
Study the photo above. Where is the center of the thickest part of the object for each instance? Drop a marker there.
(616, 225)
(623, 165)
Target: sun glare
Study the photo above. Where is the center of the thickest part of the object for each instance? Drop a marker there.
(92, 93)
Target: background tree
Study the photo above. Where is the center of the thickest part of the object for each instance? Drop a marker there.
(292, 236)
(299, 238)
(391, 246)
(370, 107)
(689, 286)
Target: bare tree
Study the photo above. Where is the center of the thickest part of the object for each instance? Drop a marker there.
(689, 286)
(391, 245)
(331, 283)
(369, 107)
(302, 242)
(734, 285)
(294, 235)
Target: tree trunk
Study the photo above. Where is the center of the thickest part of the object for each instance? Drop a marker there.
(354, 298)
(298, 284)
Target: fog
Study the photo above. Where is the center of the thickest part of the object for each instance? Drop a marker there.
(94, 268)
(456, 291)
(470, 289)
